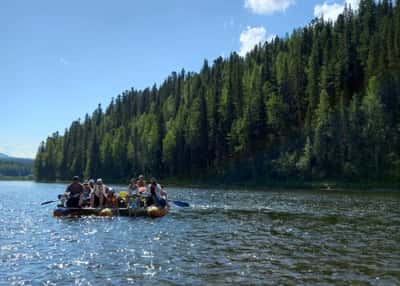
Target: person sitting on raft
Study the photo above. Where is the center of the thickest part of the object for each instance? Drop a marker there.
(111, 199)
(133, 190)
(92, 185)
(164, 194)
(133, 187)
(157, 195)
(99, 194)
(142, 192)
(141, 184)
(73, 193)
(84, 200)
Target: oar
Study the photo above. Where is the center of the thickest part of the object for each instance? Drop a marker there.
(181, 204)
(48, 202)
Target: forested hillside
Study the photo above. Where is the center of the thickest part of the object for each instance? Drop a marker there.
(323, 102)
(15, 167)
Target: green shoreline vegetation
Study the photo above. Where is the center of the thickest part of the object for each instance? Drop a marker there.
(16, 168)
(17, 178)
(291, 184)
(320, 105)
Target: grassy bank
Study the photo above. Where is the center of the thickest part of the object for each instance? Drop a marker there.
(293, 183)
(223, 183)
(16, 178)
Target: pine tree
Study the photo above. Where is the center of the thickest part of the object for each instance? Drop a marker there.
(374, 130)
(324, 136)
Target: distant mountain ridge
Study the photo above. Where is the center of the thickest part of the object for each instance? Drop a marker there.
(13, 167)
(3, 156)
(26, 161)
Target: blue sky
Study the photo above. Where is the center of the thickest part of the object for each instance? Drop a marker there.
(59, 59)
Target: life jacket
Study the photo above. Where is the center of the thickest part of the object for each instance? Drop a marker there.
(123, 195)
(112, 200)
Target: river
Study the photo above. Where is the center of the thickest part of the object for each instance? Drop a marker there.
(226, 237)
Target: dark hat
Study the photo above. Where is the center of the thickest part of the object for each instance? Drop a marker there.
(75, 178)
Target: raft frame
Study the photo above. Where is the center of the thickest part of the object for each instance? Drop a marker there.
(151, 211)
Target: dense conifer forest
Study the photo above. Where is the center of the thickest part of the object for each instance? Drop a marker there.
(15, 167)
(321, 103)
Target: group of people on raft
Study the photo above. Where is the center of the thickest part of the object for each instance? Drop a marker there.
(96, 194)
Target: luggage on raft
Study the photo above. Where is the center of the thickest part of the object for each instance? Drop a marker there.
(151, 211)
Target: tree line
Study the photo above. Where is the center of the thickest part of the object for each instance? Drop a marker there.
(15, 169)
(323, 102)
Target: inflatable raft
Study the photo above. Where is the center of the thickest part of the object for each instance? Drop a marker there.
(151, 211)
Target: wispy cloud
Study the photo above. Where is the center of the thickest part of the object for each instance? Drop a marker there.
(250, 38)
(264, 7)
(331, 10)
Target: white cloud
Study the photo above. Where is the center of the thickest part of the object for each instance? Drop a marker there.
(271, 38)
(353, 3)
(330, 11)
(267, 6)
(250, 38)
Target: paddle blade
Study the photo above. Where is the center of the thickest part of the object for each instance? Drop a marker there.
(181, 204)
(48, 202)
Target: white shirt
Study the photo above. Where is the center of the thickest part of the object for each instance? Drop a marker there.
(100, 189)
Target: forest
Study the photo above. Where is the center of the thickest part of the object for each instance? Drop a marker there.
(15, 167)
(320, 103)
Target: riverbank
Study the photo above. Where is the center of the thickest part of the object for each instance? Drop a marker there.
(12, 178)
(328, 185)
(207, 182)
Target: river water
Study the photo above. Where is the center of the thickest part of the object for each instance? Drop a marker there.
(226, 237)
